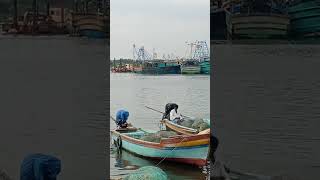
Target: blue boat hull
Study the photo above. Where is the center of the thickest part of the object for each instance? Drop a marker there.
(93, 34)
(161, 70)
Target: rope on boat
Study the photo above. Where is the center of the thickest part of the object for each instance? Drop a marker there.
(169, 153)
(113, 118)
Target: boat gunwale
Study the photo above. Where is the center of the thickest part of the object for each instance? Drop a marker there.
(165, 142)
(270, 15)
(182, 127)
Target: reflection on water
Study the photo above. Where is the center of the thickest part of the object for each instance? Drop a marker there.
(133, 92)
(52, 102)
(266, 107)
(125, 162)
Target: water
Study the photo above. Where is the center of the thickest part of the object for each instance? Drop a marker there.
(133, 92)
(52, 101)
(266, 102)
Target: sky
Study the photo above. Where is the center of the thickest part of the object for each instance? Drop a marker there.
(162, 26)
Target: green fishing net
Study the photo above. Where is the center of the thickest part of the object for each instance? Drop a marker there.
(196, 123)
(156, 137)
(147, 173)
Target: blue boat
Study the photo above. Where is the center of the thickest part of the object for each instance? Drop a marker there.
(159, 67)
(93, 34)
(189, 149)
(205, 66)
(305, 18)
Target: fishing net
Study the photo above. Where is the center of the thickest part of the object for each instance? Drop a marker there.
(156, 137)
(187, 123)
(147, 173)
(4, 175)
(197, 123)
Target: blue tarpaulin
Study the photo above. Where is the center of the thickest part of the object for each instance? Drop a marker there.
(122, 117)
(40, 167)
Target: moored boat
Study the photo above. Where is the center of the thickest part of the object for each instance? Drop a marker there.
(190, 67)
(258, 26)
(305, 18)
(260, 19)
(90, 25)
(191, 149)
(178, 128)
(205, 66)
(159, 67)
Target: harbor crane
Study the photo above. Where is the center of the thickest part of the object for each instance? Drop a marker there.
(198, 50)
(201, 51)
(141, 54)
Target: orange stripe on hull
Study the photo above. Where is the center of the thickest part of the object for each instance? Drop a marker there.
(190, 143)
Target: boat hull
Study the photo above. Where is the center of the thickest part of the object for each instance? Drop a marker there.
(305, 18)
(93, 33)
(161, 70)
(184, 149)
(190, 69)
(205, 67)
(91, 25)
(258, 26)
(179, 129)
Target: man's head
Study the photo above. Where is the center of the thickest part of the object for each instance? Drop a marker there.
(176, 107)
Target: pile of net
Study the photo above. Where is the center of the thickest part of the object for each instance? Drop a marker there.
(4, 175)
(147, 173)
(156, 137)
(196, 123)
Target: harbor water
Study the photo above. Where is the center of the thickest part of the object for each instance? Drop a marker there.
(133, 92)
(266, 105)
(52, 102)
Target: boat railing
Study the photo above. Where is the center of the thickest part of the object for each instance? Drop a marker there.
(259, 14)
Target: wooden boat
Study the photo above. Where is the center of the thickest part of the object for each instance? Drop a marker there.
(257, 26)
(178, 128)
(191, 149)
(190, 67)
(305, 18)
(91, 25)
(205, 66)
(160, 67)
(260, 19)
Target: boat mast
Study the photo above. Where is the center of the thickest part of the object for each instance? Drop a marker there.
(34, 10)
(48, 8)
(15, 14)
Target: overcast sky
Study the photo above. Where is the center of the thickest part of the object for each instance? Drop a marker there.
(163, 25)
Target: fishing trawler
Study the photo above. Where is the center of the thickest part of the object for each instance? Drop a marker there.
(190, 66)
(91, 25)
(159, 67)
(305, 18)
(256, 20)
(90, 19)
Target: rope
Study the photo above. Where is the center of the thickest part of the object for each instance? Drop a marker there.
(168, 154)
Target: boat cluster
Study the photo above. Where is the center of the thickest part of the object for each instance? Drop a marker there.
(260, 19)
(165, 67)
